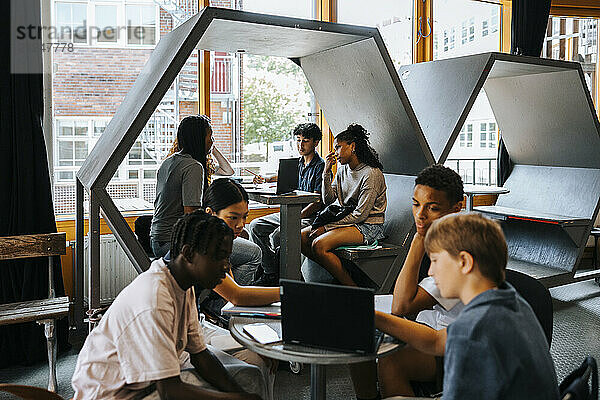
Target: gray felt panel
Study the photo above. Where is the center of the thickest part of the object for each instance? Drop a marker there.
(270, 40)
(546, 119)
(565, 191)
(353, 84)
(441, 94)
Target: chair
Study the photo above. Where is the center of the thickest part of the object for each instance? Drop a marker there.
(29, 392)
(576, 385)
(537, 296)
(142, 231)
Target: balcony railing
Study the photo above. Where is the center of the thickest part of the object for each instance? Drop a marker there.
(220, 79)
(477, 171)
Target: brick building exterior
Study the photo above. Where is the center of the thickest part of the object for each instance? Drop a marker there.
(90, 83)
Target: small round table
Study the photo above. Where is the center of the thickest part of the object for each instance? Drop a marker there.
(317, 358)
(472, 190)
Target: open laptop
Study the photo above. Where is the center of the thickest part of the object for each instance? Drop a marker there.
(287, 178)
(329, 316)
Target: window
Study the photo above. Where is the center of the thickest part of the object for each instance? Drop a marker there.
(71, 22)
(72, 144)
(393, 19)
(483, 135)
(450, 17)
(89, 77)
(469, 141)
(492, 135)
(575, 39)
(300, 8)
(141, 24)
(466, 136)
(471, 29)
(475, 148)
(106, 22)
(99, 127)
(445, 40)
(495, 19)
(256, 100)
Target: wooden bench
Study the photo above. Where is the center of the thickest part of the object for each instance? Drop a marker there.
(44, 311)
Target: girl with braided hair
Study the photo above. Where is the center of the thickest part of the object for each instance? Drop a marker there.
(183, 177)
(150, 336)
(359, 180)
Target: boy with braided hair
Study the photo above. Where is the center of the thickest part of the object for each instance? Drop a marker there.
(151, 331)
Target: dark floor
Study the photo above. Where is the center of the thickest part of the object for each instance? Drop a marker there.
(576, 334)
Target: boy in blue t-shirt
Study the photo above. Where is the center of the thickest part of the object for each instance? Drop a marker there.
(496, 348)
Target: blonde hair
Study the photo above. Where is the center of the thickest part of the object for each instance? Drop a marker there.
(475, 234)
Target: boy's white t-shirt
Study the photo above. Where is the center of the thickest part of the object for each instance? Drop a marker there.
(146, 335)
(444, 312)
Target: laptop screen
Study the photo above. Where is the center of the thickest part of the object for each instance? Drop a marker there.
(328, 316)
(287, 175)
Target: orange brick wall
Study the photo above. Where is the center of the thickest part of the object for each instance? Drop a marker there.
(93, 81)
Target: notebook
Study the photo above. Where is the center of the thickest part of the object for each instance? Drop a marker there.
(329, 316)
(287, 178)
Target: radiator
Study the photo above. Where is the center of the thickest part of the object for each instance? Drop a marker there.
(116, 271)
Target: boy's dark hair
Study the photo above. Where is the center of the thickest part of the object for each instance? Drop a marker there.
(443, 179)
(358, 135)
(201, 231)
(224, 192)
(309, 131)
(481, 237)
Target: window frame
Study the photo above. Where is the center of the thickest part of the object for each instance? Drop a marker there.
(71, 23)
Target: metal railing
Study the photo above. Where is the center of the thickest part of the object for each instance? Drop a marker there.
(220, 76)
(159, 133)
(479, 171)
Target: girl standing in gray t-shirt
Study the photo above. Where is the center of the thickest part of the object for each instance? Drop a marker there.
(182, 179)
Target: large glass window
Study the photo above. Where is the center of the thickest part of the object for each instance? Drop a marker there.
(575, 39)
(473, 20)
(394, 19)
(90, 82)
(475, 151)
(256, 101)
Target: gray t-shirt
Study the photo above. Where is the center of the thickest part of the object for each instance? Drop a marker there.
(179, 183)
